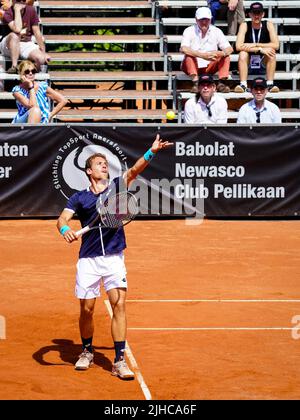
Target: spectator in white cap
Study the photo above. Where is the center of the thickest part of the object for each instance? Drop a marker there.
(206, 50)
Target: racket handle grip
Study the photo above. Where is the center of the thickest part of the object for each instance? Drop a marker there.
(82, 231)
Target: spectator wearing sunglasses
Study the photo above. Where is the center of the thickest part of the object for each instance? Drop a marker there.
(206, 107)
(22, 24)
(259, 109)
(33, 98)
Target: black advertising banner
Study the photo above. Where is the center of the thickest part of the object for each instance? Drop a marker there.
(228, 171)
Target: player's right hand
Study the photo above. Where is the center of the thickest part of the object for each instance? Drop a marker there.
(70, 236)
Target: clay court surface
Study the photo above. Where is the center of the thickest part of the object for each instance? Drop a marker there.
(212, 313)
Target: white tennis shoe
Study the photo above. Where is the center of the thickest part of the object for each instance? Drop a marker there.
(121, 370)
(85, 360)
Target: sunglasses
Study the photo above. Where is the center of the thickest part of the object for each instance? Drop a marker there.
(28, 71)
(257, 117)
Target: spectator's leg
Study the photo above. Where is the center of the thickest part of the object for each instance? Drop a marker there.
(13, 45)
(232, 22)
(243, 65)
(270, 67)
(235, 18)
(190, 67)
(34, 115)
(221, 66)
(38, 57)
(240, 11)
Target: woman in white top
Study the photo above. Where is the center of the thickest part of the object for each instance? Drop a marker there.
(33, 98)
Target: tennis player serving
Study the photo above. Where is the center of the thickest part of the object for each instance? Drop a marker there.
(101, 254)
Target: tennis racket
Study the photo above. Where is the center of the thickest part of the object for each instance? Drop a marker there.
(116, 211)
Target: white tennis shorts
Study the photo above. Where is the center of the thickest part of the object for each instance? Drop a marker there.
(25, 48)
(90, 271)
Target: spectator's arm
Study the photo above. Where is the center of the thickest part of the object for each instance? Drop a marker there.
(58, 98)
(39, 37)
(189, 117)
(27, 103)
(210, 55)
(223, 114)
(241, 117)
(227, 51)
(277, 115)
(274, 41)
(16, 25)
(232, 4)
(240, 39)
(40, 41)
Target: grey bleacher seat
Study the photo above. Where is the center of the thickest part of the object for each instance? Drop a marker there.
(291, 114)
(175, 21)
(269, 5)
(284, 40)
(289, 59)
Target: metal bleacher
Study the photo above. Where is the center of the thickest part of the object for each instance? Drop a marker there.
(119, 60)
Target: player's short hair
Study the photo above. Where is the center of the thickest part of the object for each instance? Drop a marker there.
(89, 161)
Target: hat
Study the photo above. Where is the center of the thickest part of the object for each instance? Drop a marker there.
(259, 82)
(205, 78)
(256, 7)
(203, 13)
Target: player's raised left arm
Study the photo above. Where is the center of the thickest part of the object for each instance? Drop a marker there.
(144, 161)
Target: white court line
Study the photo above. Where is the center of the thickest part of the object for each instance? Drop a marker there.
(213, 329)
(2, 328)
(215, 300)
(133, 362)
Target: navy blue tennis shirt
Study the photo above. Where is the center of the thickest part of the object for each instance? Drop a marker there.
(102, 241)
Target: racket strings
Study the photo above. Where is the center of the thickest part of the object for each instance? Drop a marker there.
(119, 210)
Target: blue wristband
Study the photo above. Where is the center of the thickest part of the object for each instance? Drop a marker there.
(149, 155)
(64, 229)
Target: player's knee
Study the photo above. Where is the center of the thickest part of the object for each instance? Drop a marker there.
(87, 312)
(119, 307)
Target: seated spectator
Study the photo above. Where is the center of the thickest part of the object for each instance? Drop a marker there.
(206, 50)
(33, 98)
(259, 110)
(206, 107)
(231, 10)
(23, 23)
(257, 43)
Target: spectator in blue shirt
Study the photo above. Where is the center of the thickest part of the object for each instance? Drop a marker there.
(33, 98)
(259, 109)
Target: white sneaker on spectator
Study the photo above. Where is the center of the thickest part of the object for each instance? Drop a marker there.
(85, 360)
(121, 370)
